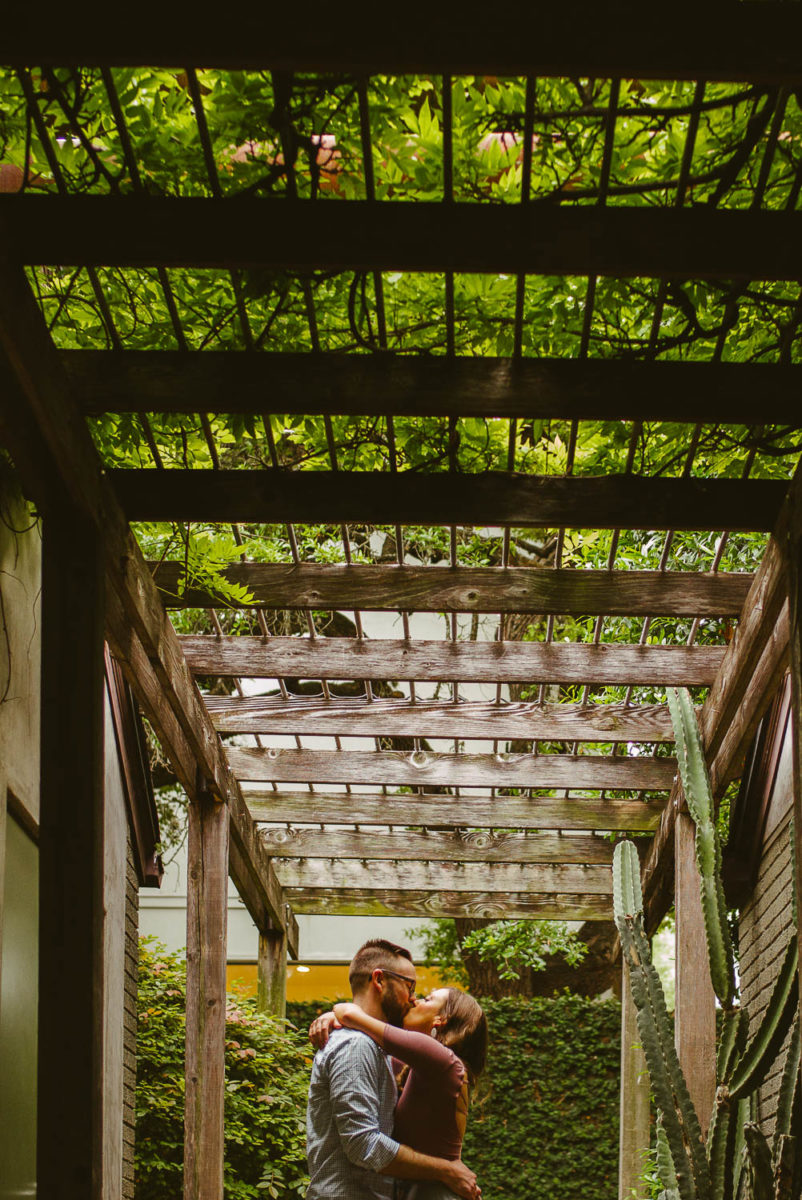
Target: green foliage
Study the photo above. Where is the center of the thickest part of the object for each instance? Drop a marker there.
(544, 1118)
(513, 946)
(440, 948)
(267, 1073)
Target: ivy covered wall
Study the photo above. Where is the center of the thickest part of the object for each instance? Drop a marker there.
(544, 1122)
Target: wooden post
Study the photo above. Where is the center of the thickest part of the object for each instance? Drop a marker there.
(633, 1144)
(70, 1055)
(792, 549)
(207, 913)
(272, 972)
(695, 1002)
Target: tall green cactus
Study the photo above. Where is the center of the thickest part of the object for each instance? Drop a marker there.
(699, 796)
(689, 1167)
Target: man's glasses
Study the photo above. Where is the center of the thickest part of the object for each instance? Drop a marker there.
(411, 983)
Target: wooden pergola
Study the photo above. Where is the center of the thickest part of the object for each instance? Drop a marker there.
(287, 825)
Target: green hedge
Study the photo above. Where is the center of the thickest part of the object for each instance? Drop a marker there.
(544, 1122)
(267, 1075)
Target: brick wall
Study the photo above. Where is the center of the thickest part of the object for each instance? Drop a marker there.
(129, 1030)
(765, 930)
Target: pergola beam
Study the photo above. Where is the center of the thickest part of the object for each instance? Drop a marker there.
(489, 498)
(398, 769)
(458, 812)
(345, 717)
(376, 874)
(437, 845)
(469, 661)
(163, 381)
(391, 902)
(748, 41)
(379, 586)
(355, 235)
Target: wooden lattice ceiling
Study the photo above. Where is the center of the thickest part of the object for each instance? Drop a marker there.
(710, 266)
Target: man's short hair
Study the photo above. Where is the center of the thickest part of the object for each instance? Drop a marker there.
(377, 953)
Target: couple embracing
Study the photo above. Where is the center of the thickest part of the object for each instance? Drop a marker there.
(361, 1134)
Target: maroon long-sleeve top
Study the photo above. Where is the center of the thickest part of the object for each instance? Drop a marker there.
(426, 1114)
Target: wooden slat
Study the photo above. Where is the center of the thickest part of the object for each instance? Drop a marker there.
(469, 662)
(390, 902)
(146, 381)
(457, 589)
(729, 42)
(439, 846)
(491, 498)
(739, 697)
(443, 719)
(463, 811)
(205, 1062)
(397, 769)
(445, 876)
(54, 452)
(354, 235)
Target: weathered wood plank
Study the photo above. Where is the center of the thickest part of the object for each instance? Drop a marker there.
(398, 769)
(71, 860)
(464, 589)
(470, 662)
(52, 448)
(442, 719)
(445, 876)
(437, 845)
(489, 498)
(671, 243)
(730, 42)
(205, 1065)
(390, 902)
(695, 1003)
(459, 812)
(142, 381)
(271, 963)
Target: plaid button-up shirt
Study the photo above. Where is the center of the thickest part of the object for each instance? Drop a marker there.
(352, 1097)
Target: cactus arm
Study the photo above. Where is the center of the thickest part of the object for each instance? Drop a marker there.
(665, 1166)
(741, 1114)
(698, 794)
(651, 1041)
(682, 1128)
(731, 1045)
(682, 1099)
(760, 1165)
(765, 1045)
(784, 1167)
(719, 1147)
(788, 1087)
(627, 896)
(792, 842)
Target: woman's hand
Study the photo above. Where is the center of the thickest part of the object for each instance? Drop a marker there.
(347, 1014)
(320, 1029)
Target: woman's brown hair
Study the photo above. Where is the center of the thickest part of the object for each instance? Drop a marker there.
(464, 1030)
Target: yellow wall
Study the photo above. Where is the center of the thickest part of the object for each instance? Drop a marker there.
(315, 981)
